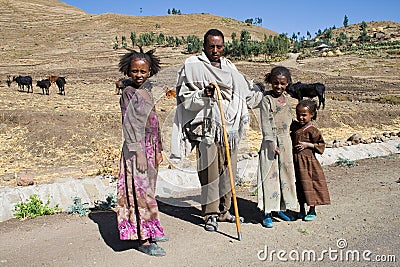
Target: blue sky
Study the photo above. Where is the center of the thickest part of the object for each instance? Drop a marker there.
(290, 16)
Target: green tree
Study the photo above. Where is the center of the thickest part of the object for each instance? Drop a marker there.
(170, 41)
(327, 34)
(194, 44)
(116, 44)
(244, 43)
(364, 34)
(248, 21)
(294, 37)
(133, 38)
(123, 42)
(345, 21)
(169, 11)
(160, 39)
(147, 39)
(341, 39)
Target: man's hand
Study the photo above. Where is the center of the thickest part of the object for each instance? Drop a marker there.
(209, 90)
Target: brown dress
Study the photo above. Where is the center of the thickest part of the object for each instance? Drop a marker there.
(310, 179)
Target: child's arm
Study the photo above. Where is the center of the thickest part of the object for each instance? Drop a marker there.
(317, 145)
(303, 145)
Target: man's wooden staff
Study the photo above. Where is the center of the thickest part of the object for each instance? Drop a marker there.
(228, 158)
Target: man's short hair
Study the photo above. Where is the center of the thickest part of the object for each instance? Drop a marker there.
(213, 32)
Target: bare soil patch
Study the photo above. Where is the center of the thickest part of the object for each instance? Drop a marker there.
(363, 216)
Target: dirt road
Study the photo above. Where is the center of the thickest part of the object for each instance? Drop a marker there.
(363, 220)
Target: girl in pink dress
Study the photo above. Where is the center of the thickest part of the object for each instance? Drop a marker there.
(137, 209)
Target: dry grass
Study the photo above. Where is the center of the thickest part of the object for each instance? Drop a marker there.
(52, 137)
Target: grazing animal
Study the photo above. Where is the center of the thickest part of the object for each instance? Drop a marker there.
(299, 90)
(22, 81)
(60, 84)
(120, 85)
(53, 78)
(45, 85)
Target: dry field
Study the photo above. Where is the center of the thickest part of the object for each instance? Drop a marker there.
(55, 136)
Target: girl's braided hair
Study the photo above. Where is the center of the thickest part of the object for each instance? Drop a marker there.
(149, 57)
(276, 71)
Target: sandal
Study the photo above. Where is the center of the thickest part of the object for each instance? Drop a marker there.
(211, 224)
(285, 217)
(267, 221)
(228, 217)
(159, 239)
(152, 250)
(311, 216)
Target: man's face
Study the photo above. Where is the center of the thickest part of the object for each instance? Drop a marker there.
(214, 47)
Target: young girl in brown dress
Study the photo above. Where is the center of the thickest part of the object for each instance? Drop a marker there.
(310, 179)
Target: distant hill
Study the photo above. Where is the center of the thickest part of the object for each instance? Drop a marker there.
(54, 36)
(49, 36)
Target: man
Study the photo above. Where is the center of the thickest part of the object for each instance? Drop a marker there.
(198, 122)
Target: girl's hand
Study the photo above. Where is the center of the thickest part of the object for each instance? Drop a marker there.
(141, 162)
(303, 145)
(277, 150)
(159, 157)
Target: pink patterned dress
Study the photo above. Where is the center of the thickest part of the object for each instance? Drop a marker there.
(137, 209)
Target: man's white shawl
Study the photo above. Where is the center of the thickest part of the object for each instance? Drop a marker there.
(197, 117)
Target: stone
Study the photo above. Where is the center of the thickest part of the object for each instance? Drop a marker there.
(25, 180)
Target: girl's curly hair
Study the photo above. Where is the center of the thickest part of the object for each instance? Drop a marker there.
(149, 57)
(311, 105)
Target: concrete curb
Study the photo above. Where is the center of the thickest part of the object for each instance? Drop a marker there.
(172, 183)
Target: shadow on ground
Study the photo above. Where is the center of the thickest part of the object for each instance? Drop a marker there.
(108, 228)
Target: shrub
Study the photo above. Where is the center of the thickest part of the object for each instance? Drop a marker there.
(110, 202)
(34, 207)
(78, 207)
(345, 162)
(389, 99)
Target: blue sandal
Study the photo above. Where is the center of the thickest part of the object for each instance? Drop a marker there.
(152, 250)
(310, 217)
(285, 217)
(267, 221)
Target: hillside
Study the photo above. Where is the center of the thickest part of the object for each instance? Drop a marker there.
(51, 35)
(54, 136)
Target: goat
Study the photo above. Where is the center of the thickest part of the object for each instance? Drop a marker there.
(45, 85)
(60, 84)
(22, 81)
(299, 90)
